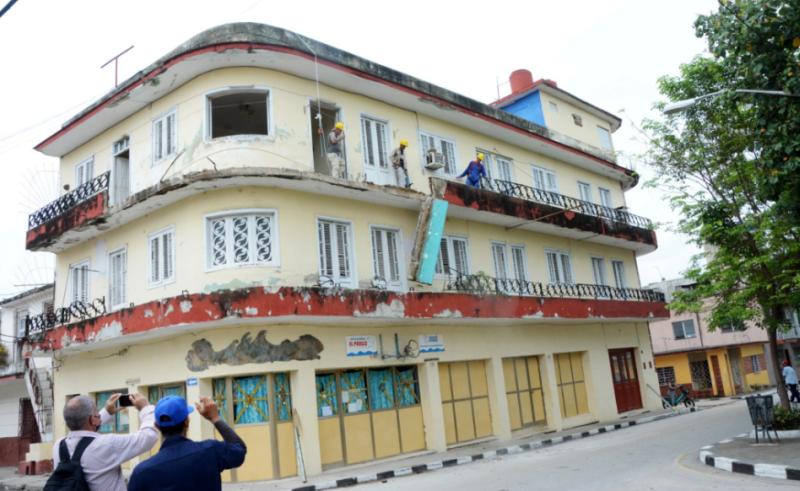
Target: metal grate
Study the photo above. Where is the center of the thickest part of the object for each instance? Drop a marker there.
(36, 326)
(529, 193)
(506, 286)
(70, 200)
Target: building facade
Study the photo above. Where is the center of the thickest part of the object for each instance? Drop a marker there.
(208, 246)
(724, 362)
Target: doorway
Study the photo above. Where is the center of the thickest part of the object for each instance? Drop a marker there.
(324, 115)
(735, 360)
(465, 401)
(626, 380)
(120, 171)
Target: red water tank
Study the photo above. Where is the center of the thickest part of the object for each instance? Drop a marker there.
(520, 80)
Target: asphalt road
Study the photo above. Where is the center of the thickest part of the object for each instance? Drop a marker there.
(657, 456)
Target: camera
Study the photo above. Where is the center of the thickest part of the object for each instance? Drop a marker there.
(125, 400)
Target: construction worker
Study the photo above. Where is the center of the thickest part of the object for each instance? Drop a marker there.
(398, 159)
(475, 171)
(336, 150)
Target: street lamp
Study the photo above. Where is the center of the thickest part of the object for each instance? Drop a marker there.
(678, 106)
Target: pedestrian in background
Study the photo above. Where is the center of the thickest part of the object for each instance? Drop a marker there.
(790, 379)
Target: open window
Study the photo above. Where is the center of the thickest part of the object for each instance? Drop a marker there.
(238, 112)
(324, 116)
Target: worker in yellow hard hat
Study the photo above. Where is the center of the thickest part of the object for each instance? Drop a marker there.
(475, 171)
(398, 159)
(335, 150)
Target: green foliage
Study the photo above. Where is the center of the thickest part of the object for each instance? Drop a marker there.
(3, 356)
(787, 419)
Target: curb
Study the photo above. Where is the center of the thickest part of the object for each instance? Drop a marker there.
(774, 471)
(491, 454)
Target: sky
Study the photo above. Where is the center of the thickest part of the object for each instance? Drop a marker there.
(609, 53)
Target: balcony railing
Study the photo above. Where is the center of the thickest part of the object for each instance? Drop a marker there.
(482, 284)
(68, 201)
(37, 325)
(529, 193)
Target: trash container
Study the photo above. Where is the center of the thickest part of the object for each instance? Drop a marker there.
(762, 414)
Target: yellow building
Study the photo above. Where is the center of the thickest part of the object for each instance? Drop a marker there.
(210, 245)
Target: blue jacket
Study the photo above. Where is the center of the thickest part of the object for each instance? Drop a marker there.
(474, 171)
(182, 464)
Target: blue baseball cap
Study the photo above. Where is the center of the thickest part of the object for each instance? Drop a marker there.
(172, 411)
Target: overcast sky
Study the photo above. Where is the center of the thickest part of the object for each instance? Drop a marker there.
(609, 53)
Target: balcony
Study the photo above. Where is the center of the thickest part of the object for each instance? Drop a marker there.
(482, 284)
(515, 205)
(83, 204)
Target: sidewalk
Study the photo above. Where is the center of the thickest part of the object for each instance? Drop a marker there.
(522, 441)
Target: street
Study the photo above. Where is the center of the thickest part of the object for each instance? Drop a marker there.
(661, 456)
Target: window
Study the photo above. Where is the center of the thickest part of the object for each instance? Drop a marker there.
(164, 136)
(599, 271)
(162, 257)
(19, 321)
(373, 136)
(619, 274)
(518, 264)
(242, 239)
(445, 147)
(120, 170)
(683, 329)
(500, 260)
(497, 166)
(385, 256)
(544, 179)
(117, 278)
(335, 251)
(79, 282)
(453, 256)
(553, 107)
(666, 376)
(238, 112)
(84, 171)
(577, 119)
(755, 362)
(605, 197)
(585, 192)
(119, 421)
(559, 267)
(605, 138)
(733, 327)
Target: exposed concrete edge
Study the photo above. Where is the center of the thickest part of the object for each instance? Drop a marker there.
(488, 455)
(774, 471)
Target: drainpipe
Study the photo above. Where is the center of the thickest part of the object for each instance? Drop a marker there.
(699, 328)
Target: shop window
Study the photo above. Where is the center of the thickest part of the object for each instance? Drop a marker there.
(354, 392)
(233, 113)
(283, 397)
(250, 404)
(158, 392)
(119, 422)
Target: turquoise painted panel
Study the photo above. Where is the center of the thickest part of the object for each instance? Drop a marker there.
(283, 397)
(381, 388)
(433, 239)
(250, 404)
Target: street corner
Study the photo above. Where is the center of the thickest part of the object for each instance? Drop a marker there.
(775, 456)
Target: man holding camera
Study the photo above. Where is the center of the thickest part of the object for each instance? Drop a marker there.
(104, 453)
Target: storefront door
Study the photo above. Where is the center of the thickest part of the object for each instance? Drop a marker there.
(626, 380)
(465, 401)
(524, 393)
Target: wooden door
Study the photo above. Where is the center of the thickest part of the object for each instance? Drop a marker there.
(717, 375)
(465, 401)
(626, 380)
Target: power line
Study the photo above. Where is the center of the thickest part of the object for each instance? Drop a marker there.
(7, 7)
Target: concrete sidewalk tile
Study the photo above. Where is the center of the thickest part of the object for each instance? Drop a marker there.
(770, 470)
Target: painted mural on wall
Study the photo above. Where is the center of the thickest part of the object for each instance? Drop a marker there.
(250, 350)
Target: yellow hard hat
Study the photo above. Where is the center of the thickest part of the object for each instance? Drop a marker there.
(480, 156)
(339, 125)
(404, 142)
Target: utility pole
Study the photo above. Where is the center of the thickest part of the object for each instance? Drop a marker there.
(115, 59)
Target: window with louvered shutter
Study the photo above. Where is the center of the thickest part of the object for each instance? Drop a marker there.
(84, 171)
(605, 197)
(162, 257)
(335, 251)
(446, 147)
(619, 273)
(443, 264)
(164, 136)
(373, 134)
(599, 271)
(460, 255)
(117, 277)
(499, 260)
(559, 267)
(385, 260)
(518, 262)
(241, 239)
(544, 179)
(79, 280)
(453, 257)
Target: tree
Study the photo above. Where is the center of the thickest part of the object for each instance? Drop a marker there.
(730, 165)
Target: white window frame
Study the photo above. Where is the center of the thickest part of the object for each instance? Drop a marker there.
(502, 248)
(683, 323)
(602, 273)
(123, 280)
(521, 248)
(438, 143)
(545, 174)
(605, 138)
(560, 264)
(84, 171)
(491, 162)
(157, 156)
(20, 315)
(230, 214)
(400, 284)
(605, 197)
(387, 141)
(755, 363)
(233, 89)
(618, 268)
(73, 268)
(353, 279)
(118, 148)
(162, 280)
(440, 272)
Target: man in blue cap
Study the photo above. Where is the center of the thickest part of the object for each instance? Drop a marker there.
(183, 464)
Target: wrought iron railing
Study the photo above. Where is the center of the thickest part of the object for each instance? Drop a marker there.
(37, 325)
(68, 201)
(482, 284)
(529, 193)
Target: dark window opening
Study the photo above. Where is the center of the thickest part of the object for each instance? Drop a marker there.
(240, 113)
(577, 119)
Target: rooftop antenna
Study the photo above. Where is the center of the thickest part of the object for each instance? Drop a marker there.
(115, 59)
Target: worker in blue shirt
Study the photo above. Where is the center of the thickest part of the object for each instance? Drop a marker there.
(475, 171)
(182, 464)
